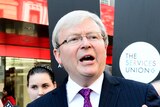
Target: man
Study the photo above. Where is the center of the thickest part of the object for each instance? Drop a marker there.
(80, 41)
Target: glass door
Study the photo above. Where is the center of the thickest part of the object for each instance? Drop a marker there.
(16, 70)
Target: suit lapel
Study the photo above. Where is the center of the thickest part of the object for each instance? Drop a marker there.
(110, 91)
(61, 95)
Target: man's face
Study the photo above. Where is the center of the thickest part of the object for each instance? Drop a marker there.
(86, 59)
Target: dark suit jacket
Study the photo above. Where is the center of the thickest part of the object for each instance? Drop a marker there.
(116, 92)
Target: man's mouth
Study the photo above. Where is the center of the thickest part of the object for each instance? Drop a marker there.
(87, 58)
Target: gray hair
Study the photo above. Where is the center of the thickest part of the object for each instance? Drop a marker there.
(73, 18)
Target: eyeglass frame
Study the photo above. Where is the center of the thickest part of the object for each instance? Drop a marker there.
(81, 38)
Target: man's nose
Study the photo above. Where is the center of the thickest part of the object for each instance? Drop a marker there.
(85, 42)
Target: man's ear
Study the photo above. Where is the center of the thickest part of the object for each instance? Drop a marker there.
(57, 56)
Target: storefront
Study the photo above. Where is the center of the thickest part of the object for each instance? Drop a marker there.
(24, 43)
(22, 46)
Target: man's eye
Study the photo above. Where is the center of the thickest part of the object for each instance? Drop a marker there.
(73, 39)
(92, 37)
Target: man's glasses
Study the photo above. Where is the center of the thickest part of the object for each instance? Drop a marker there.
(75, 39)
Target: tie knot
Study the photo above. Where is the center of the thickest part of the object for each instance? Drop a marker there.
(85, 92)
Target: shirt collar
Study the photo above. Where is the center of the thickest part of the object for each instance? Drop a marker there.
(73, 88)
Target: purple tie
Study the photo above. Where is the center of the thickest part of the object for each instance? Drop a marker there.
(86, 93)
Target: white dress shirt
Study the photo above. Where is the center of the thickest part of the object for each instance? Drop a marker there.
(76, 100)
